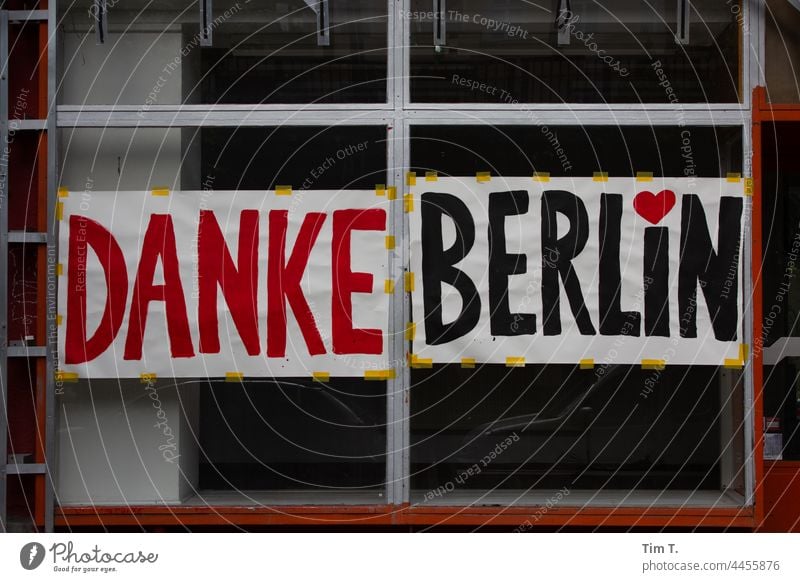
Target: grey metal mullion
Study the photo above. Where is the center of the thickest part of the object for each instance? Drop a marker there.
(4, 166)
(401, 383)
(752, 75)
(51, 339)
(213, 118)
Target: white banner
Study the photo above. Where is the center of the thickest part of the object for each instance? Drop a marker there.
(615, 271)
(222, 283)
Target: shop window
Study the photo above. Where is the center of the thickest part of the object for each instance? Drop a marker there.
(477, 431)
(575, 52)
(132, 440)
(257, 53)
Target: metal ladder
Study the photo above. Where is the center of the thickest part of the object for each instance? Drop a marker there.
(34, 350)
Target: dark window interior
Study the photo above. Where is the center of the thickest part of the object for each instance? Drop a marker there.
(307, 158)
(293, 434)
(618, 52)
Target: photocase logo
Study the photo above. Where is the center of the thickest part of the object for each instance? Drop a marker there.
(31, 555)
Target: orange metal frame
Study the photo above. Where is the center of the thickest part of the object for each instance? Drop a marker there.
(763, 112)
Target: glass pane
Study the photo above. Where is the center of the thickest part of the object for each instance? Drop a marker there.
(583, 51)
(293, 434)
(259, 53)
(547, 427)
(221, 158)
(265, 434)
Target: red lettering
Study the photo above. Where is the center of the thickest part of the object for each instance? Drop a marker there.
(346, 338)
(159, 242)
(85, 233)
(239, 285)
(283, 280)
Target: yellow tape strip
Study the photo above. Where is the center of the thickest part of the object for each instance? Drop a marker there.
(392, 191)
(59, 211)
(515, 362)
(748, 186)
(587, 364)
(160, 191)
(66, 376)
(147, 378)
(734, 176)
(644, 176)
(600, 176)
(409, 282)
(483, 176)
(421, 362)
(63, 192)
(59, 319)
(388, 286)
(379, 374)
(283, 190)
(380, 189)
(234, 376)
(411, 331)
(408, 203)
(389, 242)
(431, 176)
(739, 363)
(654, 364)
(411, 179)
(541, 176)
(467, 362)
(59, 270)
(321, 376)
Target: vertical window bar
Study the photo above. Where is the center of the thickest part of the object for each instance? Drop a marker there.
(439, 24)
(100, 20)
(206, 15)
(682, 37)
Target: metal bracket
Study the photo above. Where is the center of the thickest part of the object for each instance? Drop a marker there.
(439, 24)
(682, 36)
(206, 18)
(564, 15)
(99, 11)
(322, 10)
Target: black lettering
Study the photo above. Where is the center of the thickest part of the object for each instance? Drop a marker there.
(558, 263)
(699, 262)
(656, 281)
(612, 319)
(437, 267)
(502, 264)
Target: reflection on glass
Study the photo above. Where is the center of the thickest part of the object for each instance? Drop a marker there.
(581, 51)
(259, 53)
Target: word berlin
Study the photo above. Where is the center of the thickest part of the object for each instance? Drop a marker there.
(627, 258)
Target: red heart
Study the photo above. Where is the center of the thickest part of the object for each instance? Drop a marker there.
(654, 207)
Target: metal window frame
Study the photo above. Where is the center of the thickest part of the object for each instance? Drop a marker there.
(399, 114)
